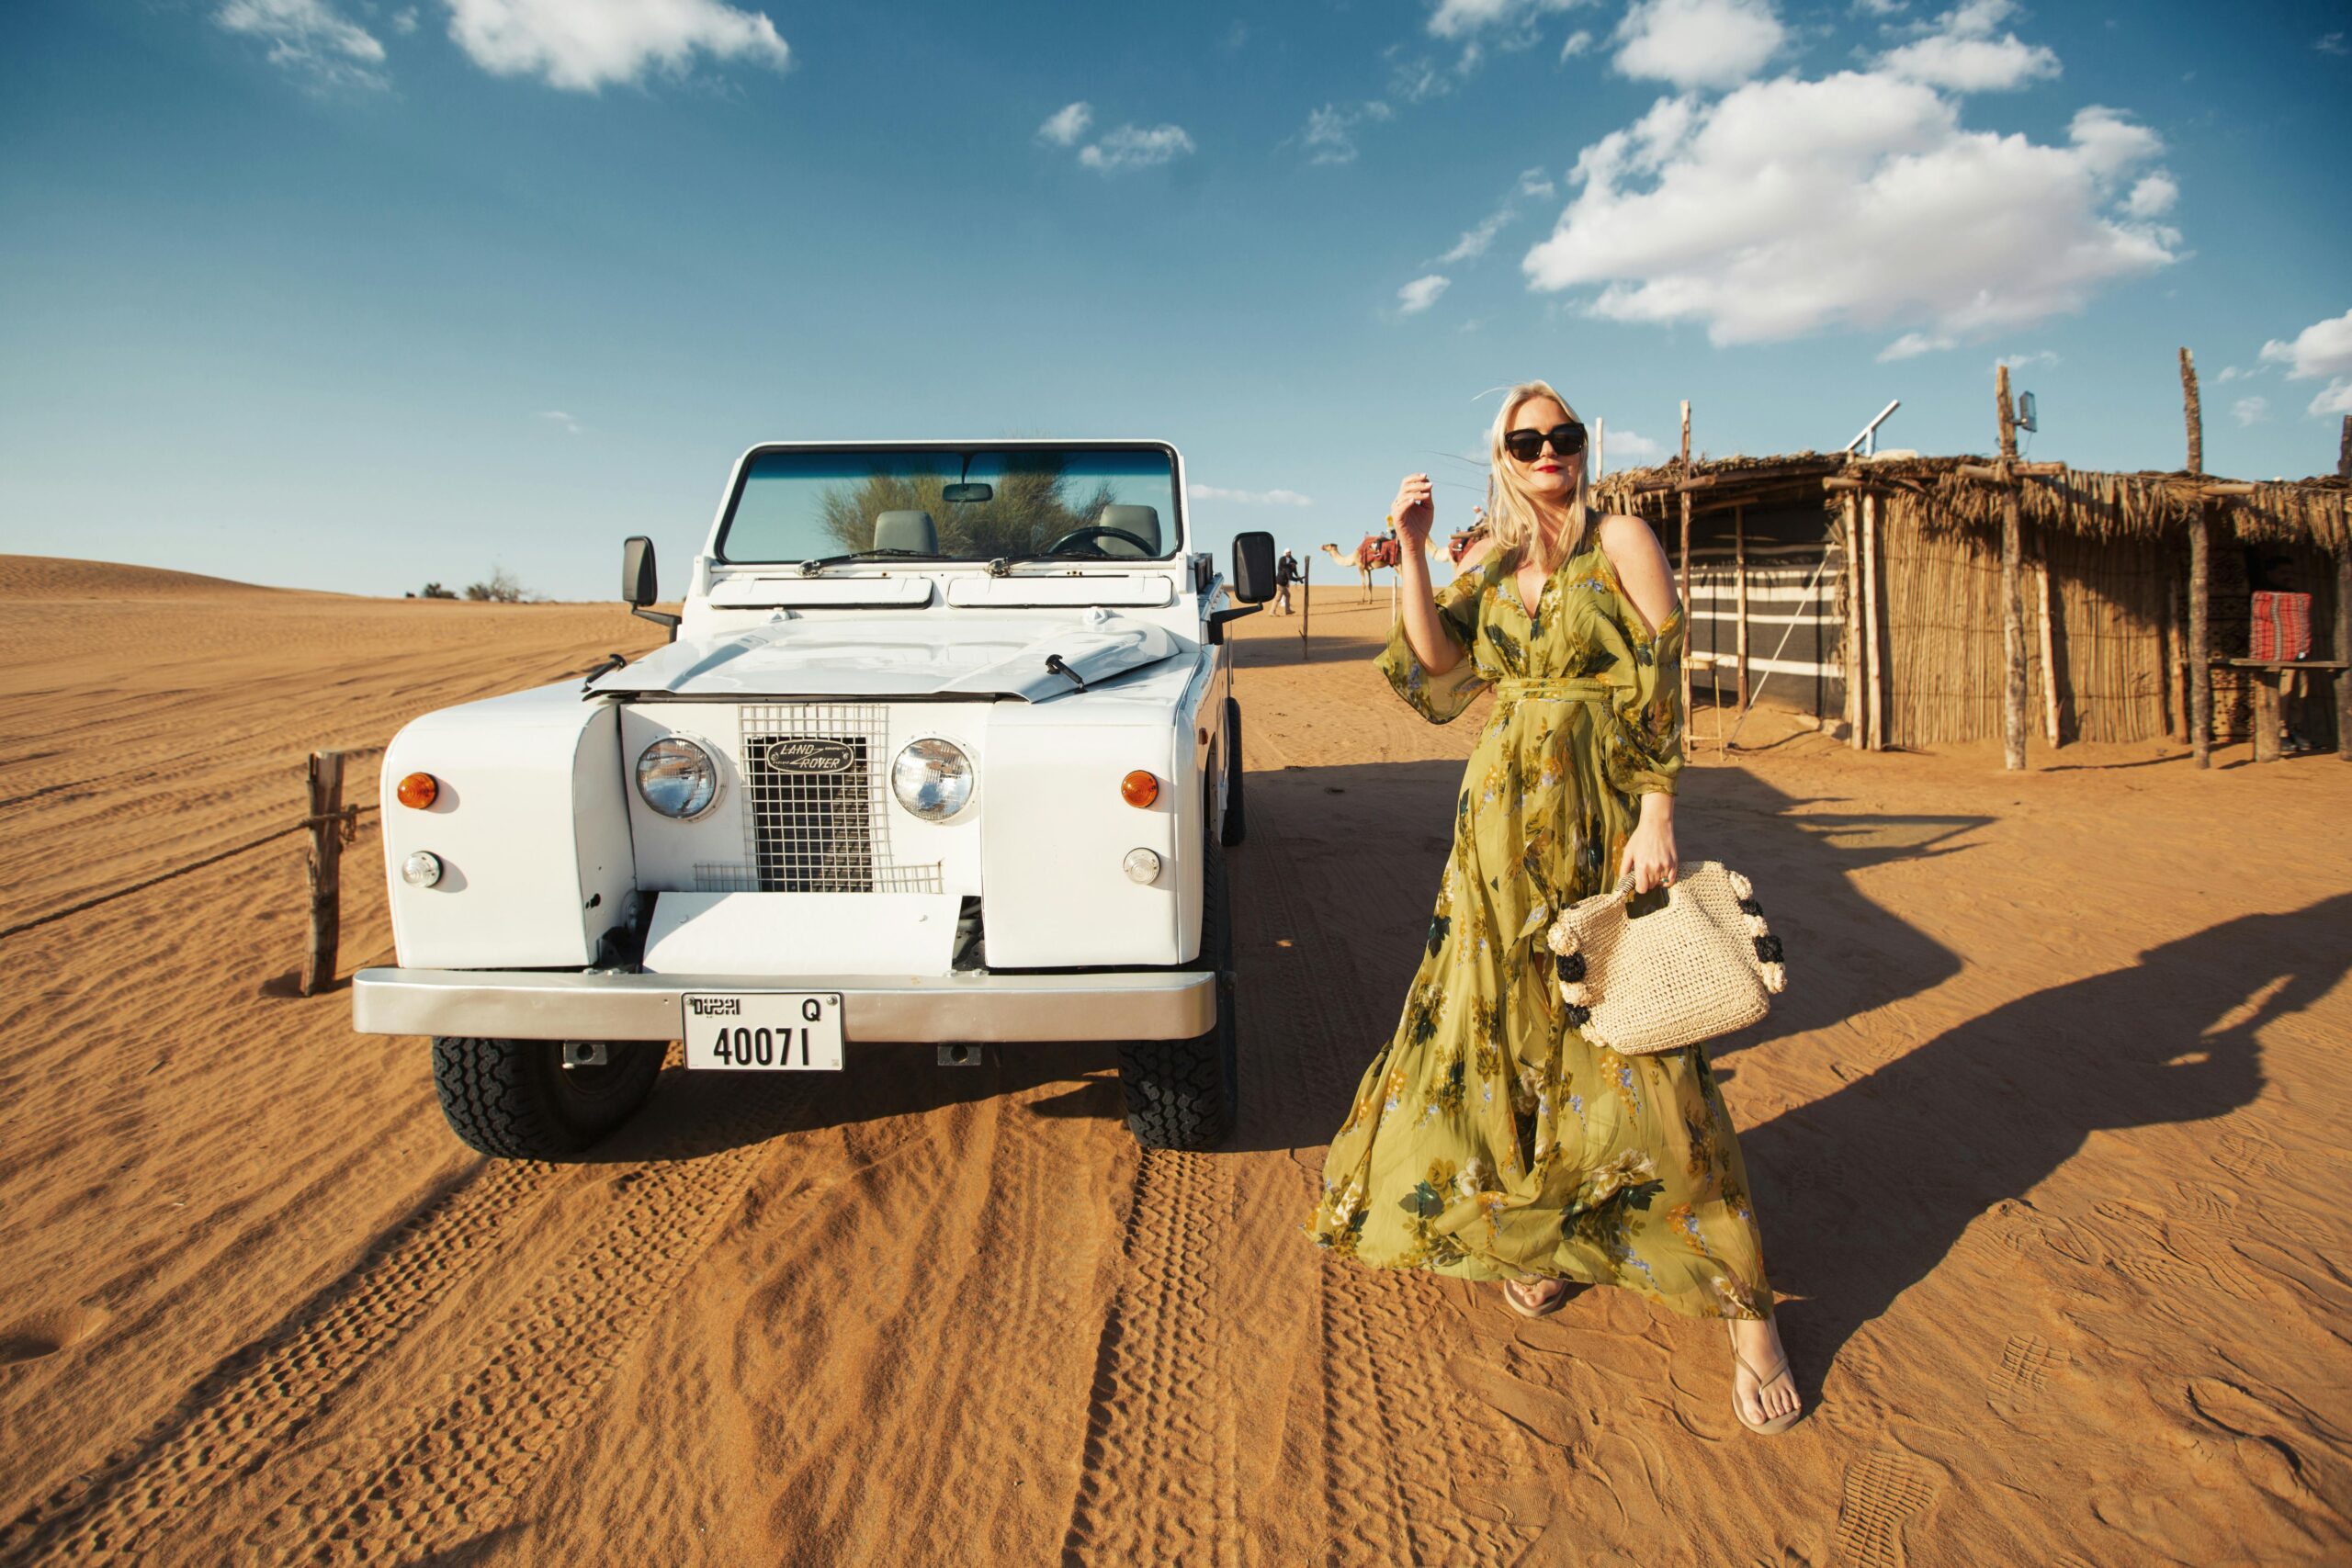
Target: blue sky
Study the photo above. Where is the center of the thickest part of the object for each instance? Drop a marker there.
(349, 295)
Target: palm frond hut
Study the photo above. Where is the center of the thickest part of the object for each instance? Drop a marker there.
(1901, 634)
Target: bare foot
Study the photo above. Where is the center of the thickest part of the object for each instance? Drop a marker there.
(1757, 1345)
(1535, 1298)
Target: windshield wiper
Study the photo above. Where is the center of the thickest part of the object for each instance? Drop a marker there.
(811, 568)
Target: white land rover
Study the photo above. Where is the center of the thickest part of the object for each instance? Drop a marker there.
(944, 748)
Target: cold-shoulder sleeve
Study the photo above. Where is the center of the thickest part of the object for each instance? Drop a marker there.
(1643, 746)
(1439, 698)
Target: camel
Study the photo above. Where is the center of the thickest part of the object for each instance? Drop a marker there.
(1375, 552)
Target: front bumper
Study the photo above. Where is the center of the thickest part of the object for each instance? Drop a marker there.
(529, 1004)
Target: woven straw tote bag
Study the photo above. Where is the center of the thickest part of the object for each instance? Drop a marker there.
(1703, 965)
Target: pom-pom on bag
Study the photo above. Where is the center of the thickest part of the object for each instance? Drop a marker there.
(1703, 965)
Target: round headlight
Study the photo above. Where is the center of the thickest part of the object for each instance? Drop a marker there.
(422, 869)
(677, 778)
(932, 779)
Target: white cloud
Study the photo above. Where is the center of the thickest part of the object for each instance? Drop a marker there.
(1910, 346)
(2323, 348)
(1473, 241)
(1330, 136)
(1130, 147)
(1959, 52)
(1066, 125)
(2232, 373)
(1576, 43)
(1420, 294)
(2251, 411)
(583, 45)
(1250, 497)
(2153, 197)
(1467, 18)
(309, 38)
(1698, 44)
(1618, 445)
(2028, 361)
(1790, 206)
(2331, 43)
(1879, 8)
(405, 20)
(562, 420)
(1535, 184)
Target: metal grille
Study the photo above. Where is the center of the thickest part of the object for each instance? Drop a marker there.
(818, 820)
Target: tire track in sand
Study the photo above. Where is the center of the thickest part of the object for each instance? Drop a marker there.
(1393, 1413)
(265, 1394)
(541, 1366)
(1162, 1482)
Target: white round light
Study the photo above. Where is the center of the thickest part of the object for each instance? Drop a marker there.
(932, 779)
(421, 869)
(1141, 865)
(677, 779)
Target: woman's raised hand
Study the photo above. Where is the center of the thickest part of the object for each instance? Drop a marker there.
(1413, 511)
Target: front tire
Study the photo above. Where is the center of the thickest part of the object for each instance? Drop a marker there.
(516, 1099)
(1184, 1094)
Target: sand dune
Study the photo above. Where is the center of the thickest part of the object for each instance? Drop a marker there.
(59, 576)
(2047, 1140)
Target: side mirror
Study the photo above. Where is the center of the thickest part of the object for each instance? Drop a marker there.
(641, 584)
(1253, 568)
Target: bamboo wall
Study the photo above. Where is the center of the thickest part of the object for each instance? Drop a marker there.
(1939, 603)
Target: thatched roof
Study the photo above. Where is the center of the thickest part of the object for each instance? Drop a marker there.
(2314, 511)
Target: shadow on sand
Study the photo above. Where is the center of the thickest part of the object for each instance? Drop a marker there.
(1898, 1162)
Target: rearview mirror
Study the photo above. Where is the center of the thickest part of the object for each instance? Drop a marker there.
(641, 584)
(968, 492)
(1253, 568)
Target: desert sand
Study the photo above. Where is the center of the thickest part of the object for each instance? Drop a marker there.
(2047, 1136)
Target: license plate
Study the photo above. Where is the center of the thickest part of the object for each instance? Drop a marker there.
(764, 1031)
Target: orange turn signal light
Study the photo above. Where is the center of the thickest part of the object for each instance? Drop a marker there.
(1140, 788)
(418, 791)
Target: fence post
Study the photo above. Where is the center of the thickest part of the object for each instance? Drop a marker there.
(326, 871)
(2200, 650)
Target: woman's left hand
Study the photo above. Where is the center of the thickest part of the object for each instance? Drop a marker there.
(1650, 852)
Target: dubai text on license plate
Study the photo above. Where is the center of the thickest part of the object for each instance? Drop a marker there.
(775, 1030)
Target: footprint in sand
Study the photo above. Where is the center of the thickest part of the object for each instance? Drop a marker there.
(1888, 1489)
(42, 1335)
(2249, 1156)
(2028, 1361)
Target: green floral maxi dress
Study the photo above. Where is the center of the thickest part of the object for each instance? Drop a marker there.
(1490, 1140)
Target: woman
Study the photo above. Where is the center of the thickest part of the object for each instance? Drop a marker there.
(1492, 1140)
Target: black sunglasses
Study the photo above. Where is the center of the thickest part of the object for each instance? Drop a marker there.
(1567, 440)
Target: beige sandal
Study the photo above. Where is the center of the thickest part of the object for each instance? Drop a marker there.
(1511, 1300)
(1778, 1423)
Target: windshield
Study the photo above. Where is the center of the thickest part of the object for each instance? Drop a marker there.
(1073, 504)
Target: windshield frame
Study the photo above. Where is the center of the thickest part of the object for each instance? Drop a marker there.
(1183, 531)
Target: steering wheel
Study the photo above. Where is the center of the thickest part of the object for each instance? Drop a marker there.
(1094, 531)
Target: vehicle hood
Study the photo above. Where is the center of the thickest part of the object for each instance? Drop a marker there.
(924, 654)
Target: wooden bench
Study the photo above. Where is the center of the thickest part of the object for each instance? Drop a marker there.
(2266, 695)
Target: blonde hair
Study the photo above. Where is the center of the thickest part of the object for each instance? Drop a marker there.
(1510, 511)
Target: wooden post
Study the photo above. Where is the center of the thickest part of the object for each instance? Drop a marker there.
(2266, 715)
(2012, 611)
(1306, 600)
(2049, 645)
(1853, 546)
(1685, 493)
(1739, 567)
(2201, 667)
(326, 871)
(1873, 705)
(2175, 695)
(2344, 610)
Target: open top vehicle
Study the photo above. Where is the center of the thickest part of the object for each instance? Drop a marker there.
(944, 748)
